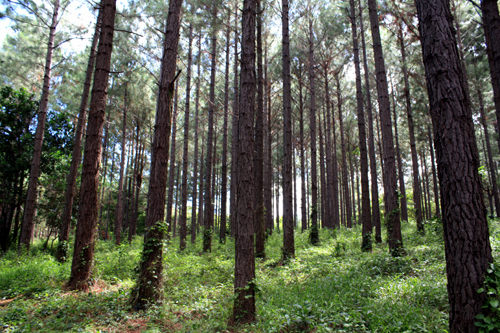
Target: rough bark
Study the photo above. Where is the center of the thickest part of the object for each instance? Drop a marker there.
(62, 248)
(390, 181)
(288, 236)
(83, 254)
(466, 234)
(28, 226)
(434, 175)
(171, 167)
(149, 287)
(244, 267)
(259, 225)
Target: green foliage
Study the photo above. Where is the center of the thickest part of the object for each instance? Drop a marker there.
(333, 287)
(489, 319)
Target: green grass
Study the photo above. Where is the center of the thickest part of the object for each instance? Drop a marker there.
(333, 287)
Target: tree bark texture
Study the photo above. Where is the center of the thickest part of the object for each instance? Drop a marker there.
(83, 254)
(171, 168)
(149, 287)
(244, 267)
(28, 226)
(466, 235)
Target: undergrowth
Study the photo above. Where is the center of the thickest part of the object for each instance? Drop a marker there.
(332, 287)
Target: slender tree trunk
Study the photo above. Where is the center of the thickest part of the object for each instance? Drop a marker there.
(28, 225)
(83, 254)
(302, 155)
(201, 222)
(244, 267)
(491, 26)
(268, 169)
(234, 131)
(434, 176)
(390, 181)
(322, 173)
(337, 210)
(414, 158)
(183, 215)
(171, 166)
(329, 159)
(119, 200)
(149, 288)
(363, 156)
(62, 249)
(314, 236)
(288, 236)
(371, 138)
(466, 235)
(196, 179)
(402, 189)
(209, 214)
(259, 226)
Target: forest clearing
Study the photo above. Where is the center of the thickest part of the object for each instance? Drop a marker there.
(331, 287)
(249, 165)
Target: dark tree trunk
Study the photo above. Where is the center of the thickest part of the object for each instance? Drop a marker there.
(28, 226)
(183, 215)
(466, 235)
(209, 213)
(149, 288)
(171, 167)
(234, 131)
(288, 236)
(83, 254)
(196, 179)
(268, 169)
(491, 26)
(322, 173)
(62, 248)
(345, 184)
(337, 214)
(200, 189)
(390, 181)
(314, 236)
(402, 189)
(259, 225)
(244, 267)
(414, 157)
(119, 203)
(371, 138)
(366, 244)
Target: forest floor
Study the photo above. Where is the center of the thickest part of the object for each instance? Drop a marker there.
(333, 287)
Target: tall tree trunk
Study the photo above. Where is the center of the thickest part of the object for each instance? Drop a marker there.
(149, 288)
(395, 239)
(322, 174)
(259, 226)
(62, 249)
(402, 189)
(371, 137)
(268, 169)
(302, 155)
(414, 157)
(466, 234)
(83, 254)
(345, 184)
(288, 236)
(491, 26)
(171, 166)
(366, 244)
(244, 267)
(28, 226)
(183, 215)
(494, 185)
(234, 130)
(119, 200)
(209, 214)
(314, 236)
(328, 152)
(337, 210)
(201, 204)
(434, 176)
(196, 179)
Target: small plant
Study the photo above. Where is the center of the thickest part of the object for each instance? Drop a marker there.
(489, 319)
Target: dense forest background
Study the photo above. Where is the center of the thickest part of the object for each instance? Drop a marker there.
(298, 121)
